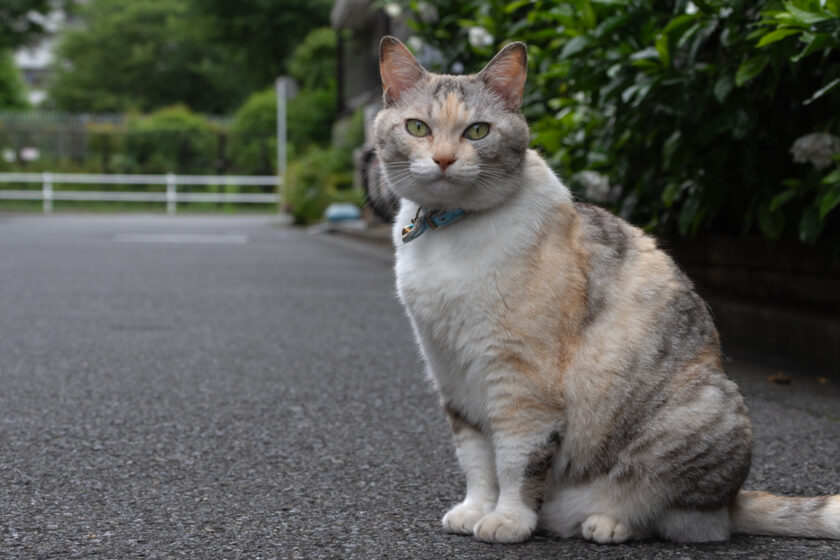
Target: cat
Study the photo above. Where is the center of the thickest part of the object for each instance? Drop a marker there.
(580, 372)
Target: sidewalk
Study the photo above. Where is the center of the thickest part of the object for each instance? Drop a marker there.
(211, 387)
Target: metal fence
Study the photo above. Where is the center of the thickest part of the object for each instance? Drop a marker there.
(47, 193)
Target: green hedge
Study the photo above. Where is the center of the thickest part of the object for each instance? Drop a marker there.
(170, 139)
(716, 115)
(317, 178)
(253, 142)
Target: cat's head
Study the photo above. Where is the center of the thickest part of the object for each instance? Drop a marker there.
(449, 142)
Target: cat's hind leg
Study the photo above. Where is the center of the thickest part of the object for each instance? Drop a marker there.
(605, 529)
(599, 511)
(475, 456)
(694, 526)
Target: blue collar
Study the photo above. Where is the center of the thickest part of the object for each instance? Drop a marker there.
(431, 219)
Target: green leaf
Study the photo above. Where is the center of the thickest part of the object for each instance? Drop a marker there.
(671, 194)
(829, 201)
(806, 17)
(781, 199)
(691, 215)
(771, 224)
(814, 43)
(688, 34)
(669, 147)
(574, 46)
(811, 225)
(647, 52)
(587, 15)
(723, 87)
(822, 91)
(679, 22)
(662, 49)
(750, 68)
(777, 35)
(513, 6)
(833, 177)
(628, 93)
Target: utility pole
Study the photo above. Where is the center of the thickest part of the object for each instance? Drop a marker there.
(280, 88)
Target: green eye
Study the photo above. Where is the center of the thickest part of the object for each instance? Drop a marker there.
(417, 128)
(477, 131)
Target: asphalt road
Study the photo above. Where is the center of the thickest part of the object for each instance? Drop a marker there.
(225, 388)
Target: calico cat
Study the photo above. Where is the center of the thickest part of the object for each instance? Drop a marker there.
(580, 372)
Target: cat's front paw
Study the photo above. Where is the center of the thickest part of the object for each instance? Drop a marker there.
(497, 527)
(604, 529)
(462, 518)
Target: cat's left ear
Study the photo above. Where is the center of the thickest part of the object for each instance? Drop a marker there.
(399, 69)
(506, 73)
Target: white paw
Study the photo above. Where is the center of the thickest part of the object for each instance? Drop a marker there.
(605, 530)
(462, 518)
(496, 527)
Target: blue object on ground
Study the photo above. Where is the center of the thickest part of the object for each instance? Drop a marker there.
(340, 211)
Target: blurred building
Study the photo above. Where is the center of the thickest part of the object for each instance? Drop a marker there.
(34, 60)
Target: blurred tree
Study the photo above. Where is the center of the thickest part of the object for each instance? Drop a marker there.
(23, 20)
(265, 31)
(144, 55)
(309, 115)
(313, 62)
(11, 86)
(253, 139)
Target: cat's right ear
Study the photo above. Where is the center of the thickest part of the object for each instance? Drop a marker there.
(398, 68)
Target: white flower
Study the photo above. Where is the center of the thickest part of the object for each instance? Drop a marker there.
(480, 37)
(457, 67)
(818, 148)
(393, 9)
(596, 187)
(690, 8)
(415, 43)
(427, 12)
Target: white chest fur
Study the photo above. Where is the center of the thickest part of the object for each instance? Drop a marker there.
(449, 280)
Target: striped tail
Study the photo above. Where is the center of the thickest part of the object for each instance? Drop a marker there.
(760, 513)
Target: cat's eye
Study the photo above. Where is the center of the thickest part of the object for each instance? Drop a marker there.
(477, 131)
(417, 128)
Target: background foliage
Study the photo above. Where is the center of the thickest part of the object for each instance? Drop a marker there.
(143, 55)
(11, 85)
(263, 32)
(22, 21)
(690, 110)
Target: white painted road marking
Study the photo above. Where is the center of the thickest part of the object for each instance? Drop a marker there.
(226, 238)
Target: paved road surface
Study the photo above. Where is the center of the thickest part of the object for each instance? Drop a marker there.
(224, 388)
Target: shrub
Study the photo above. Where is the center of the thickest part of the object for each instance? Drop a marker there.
(317, 178)
(313, 62)
(253, 138)
(172, 139)
(690, 110)
(309, 117)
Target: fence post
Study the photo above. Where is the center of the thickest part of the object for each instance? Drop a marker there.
(171, 195)
(47, 194)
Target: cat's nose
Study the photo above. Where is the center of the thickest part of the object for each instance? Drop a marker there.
(444, 162)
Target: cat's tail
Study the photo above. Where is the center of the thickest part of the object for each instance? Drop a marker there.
(760, 513)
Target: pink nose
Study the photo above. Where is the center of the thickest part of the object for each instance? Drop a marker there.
(444, 162)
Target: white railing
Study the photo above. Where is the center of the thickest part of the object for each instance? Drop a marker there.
(171, 196)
